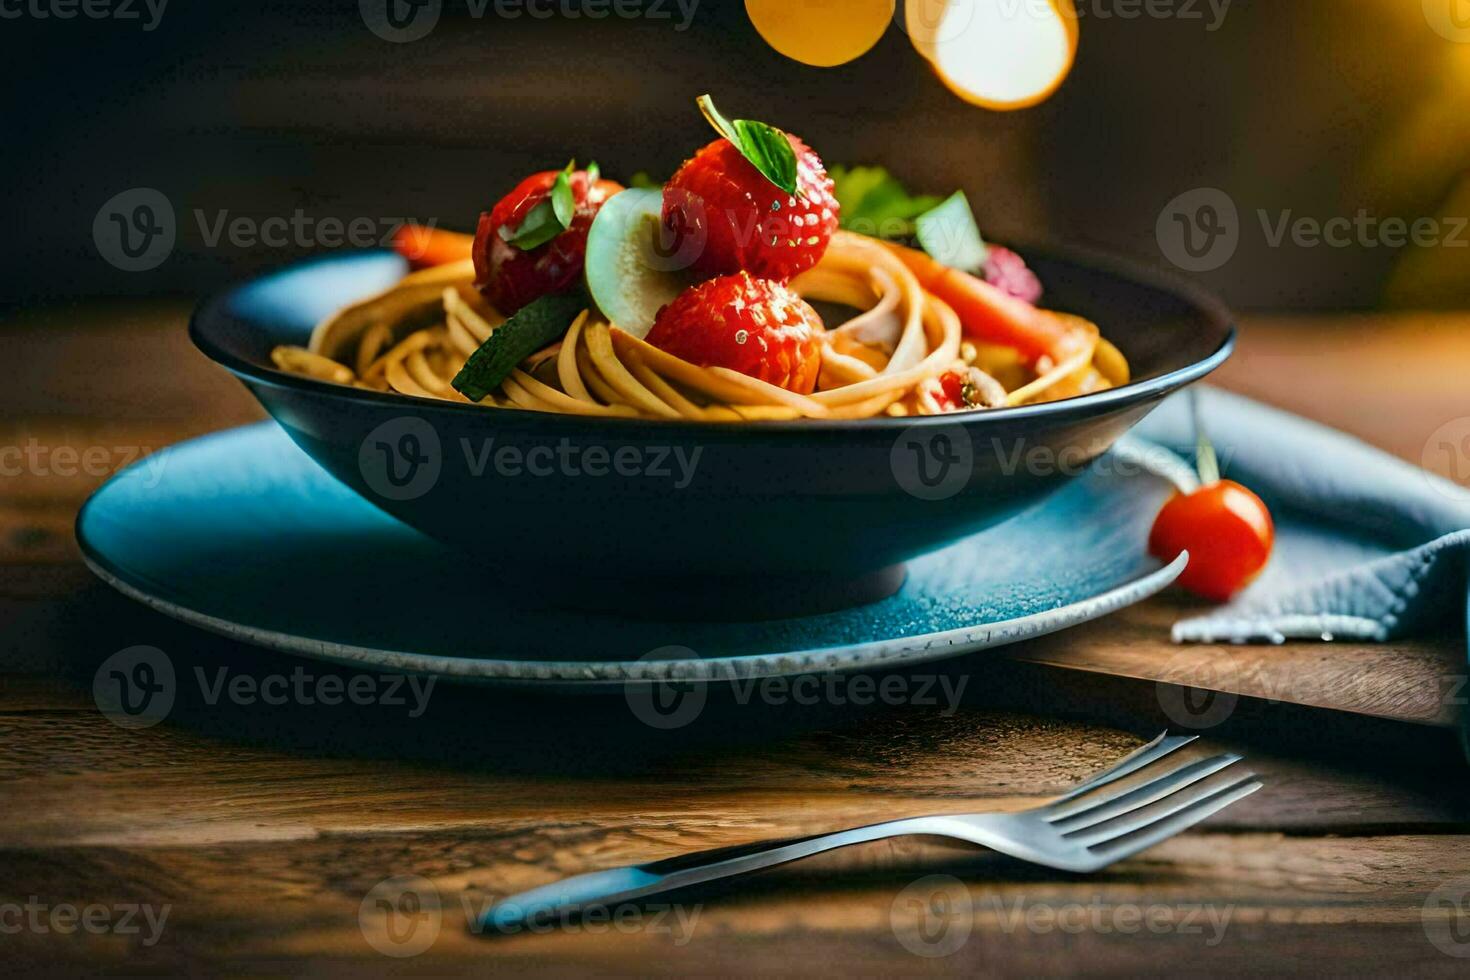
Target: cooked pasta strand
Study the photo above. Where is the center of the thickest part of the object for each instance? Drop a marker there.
(891, 358)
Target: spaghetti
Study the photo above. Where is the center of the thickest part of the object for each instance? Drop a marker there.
(902, 354)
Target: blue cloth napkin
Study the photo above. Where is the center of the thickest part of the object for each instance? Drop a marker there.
(1368, 547)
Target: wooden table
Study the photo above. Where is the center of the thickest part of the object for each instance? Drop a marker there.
(260, 835)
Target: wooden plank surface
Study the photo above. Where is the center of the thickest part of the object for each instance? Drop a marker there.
(262, 833)
(259, 835)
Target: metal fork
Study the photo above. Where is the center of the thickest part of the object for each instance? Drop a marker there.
(1086, 830)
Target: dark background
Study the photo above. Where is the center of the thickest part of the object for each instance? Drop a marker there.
(1321, 107)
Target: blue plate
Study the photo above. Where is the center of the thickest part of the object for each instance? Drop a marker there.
(242, 534)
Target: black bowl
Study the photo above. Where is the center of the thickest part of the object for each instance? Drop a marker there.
(709, 520)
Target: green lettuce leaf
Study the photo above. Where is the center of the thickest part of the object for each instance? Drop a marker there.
(875, 203)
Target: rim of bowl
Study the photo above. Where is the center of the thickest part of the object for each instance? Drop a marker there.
(1211, 307)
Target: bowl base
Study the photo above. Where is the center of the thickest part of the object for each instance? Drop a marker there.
(736, 599)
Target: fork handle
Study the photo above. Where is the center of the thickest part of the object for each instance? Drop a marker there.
(601, 889)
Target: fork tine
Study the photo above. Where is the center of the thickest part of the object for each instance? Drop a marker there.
(1153, 751)
(1119, 842)
(1094, 810)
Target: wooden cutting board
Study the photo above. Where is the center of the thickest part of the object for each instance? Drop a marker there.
(1422, 681)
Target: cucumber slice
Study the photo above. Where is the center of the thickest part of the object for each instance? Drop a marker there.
(949, 234)
(539, 324)
(633, 271)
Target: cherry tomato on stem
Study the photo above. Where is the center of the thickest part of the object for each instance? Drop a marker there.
(1226, 529)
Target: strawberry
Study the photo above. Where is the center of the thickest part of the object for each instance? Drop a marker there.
(755, 326)
(511, 276)
(751, 224)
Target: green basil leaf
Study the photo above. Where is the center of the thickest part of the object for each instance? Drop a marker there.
(563, 201)
(540, 226)
(766, 147)
(537, 325)
(549, 218)
(594, 173)
(950, 235)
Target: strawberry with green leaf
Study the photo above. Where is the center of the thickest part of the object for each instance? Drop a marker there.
(761, 198)
(534, 242)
